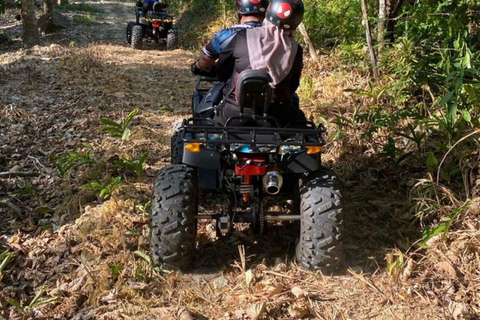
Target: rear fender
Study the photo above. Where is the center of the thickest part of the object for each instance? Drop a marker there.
(301, 163)
(206, 158)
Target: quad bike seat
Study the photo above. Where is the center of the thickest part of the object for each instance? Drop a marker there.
(253, 94)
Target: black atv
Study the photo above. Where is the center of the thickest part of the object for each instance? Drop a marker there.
(249, 162)
(156, 25)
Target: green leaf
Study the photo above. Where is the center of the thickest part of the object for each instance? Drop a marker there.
(323, 120)
(446, 98)
(16, 304)
(126, 134)
(37, 296)
(110, 122)
(466, 116)
(451, 75)
(5, 258)
(43, 209)
(429, 233)
(47, 301)
(452, 112)
(431, 160)
(129, 118)
(144, 256)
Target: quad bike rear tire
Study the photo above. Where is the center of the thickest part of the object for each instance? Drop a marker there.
(129, 32)
(320, 244)
(176, 152)
(173, 225)
(172, 39)
(137, 37)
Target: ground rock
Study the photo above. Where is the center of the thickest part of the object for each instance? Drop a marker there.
(48, 23)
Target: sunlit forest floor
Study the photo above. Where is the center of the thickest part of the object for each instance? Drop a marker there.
(75, 256)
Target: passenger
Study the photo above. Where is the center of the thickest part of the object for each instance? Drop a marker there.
(250, 14)
(271, 48)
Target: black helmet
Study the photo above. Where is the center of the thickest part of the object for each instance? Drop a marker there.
(245, 7)
(285, 14)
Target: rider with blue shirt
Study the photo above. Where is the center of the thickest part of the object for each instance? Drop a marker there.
(250, 15)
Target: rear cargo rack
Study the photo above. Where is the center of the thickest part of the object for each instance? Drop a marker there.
(202, 130)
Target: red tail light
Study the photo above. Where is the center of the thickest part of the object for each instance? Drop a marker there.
(156, 24)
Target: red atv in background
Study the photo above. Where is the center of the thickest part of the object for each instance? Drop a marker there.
(156, 25)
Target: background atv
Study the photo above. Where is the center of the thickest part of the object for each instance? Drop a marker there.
(156, 25)
(249, 160)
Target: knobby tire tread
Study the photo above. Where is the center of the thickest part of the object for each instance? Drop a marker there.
(173, 224)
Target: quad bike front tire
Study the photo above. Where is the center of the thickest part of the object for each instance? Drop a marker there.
(172, 39)
(173, 224)
(320, 244)
(137, 37)
(176, 144)
(129, 32)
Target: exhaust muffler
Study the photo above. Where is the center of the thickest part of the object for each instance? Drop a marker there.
(272, 182)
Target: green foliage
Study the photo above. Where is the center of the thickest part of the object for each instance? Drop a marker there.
(75, 159)
(105, 189)
(444, 226)
(134, 165)
(35, 303)
(333, 21)
(5, 258)
(119, 129)
(84, 19)
(115, 271)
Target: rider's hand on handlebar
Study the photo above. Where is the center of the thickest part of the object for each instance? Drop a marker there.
(199, 72)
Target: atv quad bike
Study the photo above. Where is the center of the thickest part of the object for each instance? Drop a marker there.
(250, 159)
(156, 25)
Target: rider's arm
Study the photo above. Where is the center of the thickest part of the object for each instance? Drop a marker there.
(211, 52)
(205, 62)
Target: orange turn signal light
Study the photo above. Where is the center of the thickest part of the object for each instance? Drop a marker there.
(314, 149)
(193, 147)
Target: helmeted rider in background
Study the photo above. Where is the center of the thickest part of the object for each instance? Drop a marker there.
(271, 48)
(250, 15)
(150, 5)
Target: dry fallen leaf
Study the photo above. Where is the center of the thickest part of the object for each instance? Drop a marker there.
(257, 310)
(248, 277)
(446, 268)
(299, 292)
(299, 309)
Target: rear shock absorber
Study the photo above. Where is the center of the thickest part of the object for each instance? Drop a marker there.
(246, 187)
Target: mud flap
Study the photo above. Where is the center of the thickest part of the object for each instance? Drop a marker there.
(301, 163)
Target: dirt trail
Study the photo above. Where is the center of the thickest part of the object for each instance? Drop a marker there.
(87, 252)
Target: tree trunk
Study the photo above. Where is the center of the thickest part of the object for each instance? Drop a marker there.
(368, 33)
(393, 10)
(48, 6)
(62, 2)
(381, 24)
(29, 21)
(308, 42)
